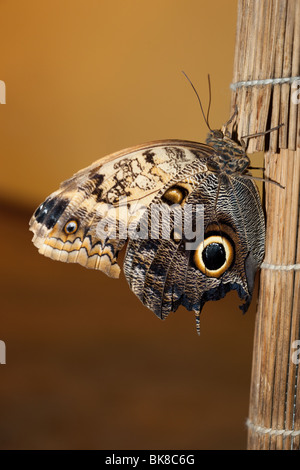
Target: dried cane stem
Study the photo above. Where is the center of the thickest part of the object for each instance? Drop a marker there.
(268, 46)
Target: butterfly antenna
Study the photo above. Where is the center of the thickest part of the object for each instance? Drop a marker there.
(198, 97)
(209, 100)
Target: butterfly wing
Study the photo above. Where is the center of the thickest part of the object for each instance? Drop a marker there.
(165, 273)
(86, 220)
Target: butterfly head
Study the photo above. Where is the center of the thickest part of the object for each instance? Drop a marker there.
(230, 157)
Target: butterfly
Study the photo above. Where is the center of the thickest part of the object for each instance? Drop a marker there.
(149, 198)
(87, 221)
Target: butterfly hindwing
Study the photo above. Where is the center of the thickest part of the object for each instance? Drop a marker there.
(163, 273)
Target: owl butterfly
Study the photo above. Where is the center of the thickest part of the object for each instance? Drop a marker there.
(89, 219)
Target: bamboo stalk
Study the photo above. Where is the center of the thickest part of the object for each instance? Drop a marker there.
(268, 46)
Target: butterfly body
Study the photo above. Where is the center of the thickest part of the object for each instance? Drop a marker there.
(91, 217)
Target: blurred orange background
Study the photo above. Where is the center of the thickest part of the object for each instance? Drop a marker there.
(88, 366)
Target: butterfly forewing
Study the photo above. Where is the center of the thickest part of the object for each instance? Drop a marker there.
(106, 197)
